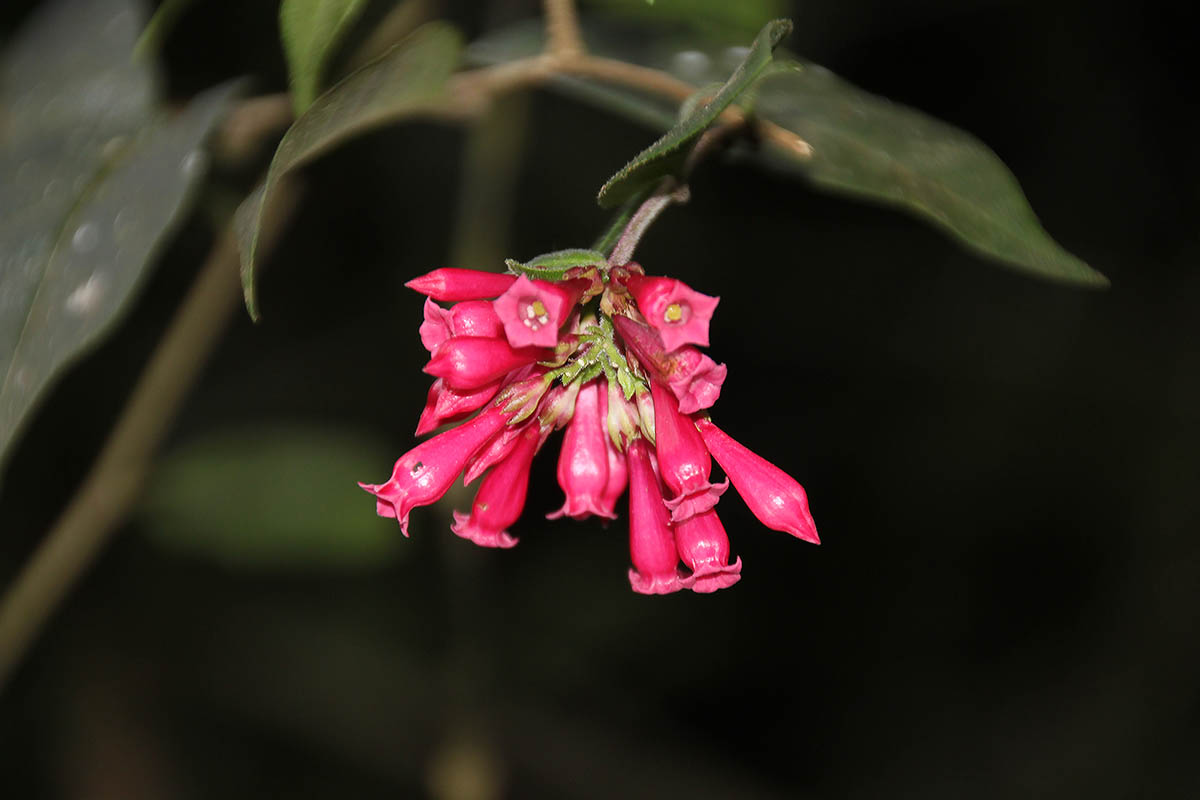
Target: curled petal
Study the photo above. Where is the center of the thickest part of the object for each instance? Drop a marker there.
(449, 284)
(444, 404)
(704, 548)
(772, 495)
(693, 377)
(422, 475)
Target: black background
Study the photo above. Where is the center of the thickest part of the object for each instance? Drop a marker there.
(1002, 471)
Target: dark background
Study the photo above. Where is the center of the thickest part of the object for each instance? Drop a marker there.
(1002, 471)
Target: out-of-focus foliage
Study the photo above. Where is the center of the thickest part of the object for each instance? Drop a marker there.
(281, 498)
(406, 80)
(93, 175)
(311, 29)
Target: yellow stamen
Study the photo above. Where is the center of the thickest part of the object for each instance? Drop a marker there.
(674, 313)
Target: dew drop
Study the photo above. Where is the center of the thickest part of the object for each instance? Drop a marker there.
(87, 295)
(193, 163)
(86, 237)
(690, 64)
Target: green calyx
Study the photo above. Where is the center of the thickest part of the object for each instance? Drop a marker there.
(597, 354)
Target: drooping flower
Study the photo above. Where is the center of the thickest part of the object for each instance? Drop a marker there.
(583, 462)
(772, 495)
(704, 547)
(501, 496)
(683, 460)
(422, 475)
(626, 380)
(651, 540)
(678, 312)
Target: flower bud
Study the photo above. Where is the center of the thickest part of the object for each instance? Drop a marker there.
(449, 285)
(772, 495)
(470, 362)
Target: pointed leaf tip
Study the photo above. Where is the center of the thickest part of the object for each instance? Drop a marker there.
(667, 155)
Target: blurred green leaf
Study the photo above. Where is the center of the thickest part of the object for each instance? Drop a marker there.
(278, 499)
(406, 80)
(870, 147)
(160, 27)
(710, 17)
(552, 266)
(667, 154)
(93, 179)
(310, 30)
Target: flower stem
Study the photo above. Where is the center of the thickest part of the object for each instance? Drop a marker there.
(668, 192)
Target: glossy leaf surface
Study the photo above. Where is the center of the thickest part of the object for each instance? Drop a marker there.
(94, 178)
(310, 30)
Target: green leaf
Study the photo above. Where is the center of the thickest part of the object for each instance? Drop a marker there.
(553, 266)
(406, 80)
(665, 156)
(283, 498)
(870, 147)
(159, 28)
(92, 179)
(311, 29)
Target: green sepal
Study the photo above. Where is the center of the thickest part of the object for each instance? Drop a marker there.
(554, 266)
(667, 155)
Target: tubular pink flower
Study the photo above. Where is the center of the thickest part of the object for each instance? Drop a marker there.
(467, 363)
(618, 479)
(521, 399)
(693, 377)
(683, 460)
(651, 541)
(422, 475)
(772, 495)
(583, 462)
(704, 548)
(449, 284)
(678, 312)
(532, 311)
(468, 318)
(501, 496)
(444, 404)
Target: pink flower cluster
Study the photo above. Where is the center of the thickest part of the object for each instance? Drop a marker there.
(624, 376)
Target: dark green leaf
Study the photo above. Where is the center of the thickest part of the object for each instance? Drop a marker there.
(93, 179)
(552, 266)
(870, 147)
(666, 155)
(283, 498)
(405, 81)
(311, 29)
